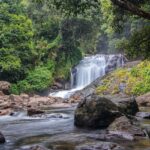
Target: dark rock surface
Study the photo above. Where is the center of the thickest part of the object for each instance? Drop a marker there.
(96, 112)
(32, 111)
(34, 147)
(126, 105)
(123, 127)
(2, 138)
(100, 146)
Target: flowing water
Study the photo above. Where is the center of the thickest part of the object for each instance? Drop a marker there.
(56, 129)
(88, 70)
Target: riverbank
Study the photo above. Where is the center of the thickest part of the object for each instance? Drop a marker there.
(35, 104)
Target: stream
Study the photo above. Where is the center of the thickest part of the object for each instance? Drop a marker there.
(55, 130)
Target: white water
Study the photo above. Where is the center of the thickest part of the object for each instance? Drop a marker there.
(88, 70)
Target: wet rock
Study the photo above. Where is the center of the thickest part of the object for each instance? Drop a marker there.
(100, 146)
(126, 105)
(58, 85)
(2, 138)
(40, 101)
(124, 128)
(35, 147)
(143, 100)
(4, 87)
(143, 115)
(95, 112)
(6, 112)
(12, 103)
(1, 93)
(32, 111)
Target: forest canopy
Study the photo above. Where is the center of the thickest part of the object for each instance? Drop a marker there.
(41, 40)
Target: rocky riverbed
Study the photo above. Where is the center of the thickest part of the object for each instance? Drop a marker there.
(35, 104)
(106, 122)
(56, 131)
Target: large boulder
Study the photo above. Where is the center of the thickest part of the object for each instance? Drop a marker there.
(123, 127)
(96, 112)
(126, 105)
(4, 87)
(2, 138)
(143, 100)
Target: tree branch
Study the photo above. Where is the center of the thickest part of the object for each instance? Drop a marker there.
(132, 8)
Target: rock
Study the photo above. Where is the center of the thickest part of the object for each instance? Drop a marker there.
(126, 105)
(1, 93)
(40, 101)
(123, 127)
(6, 112)
(4, 87)
(58, 85)
(143, 100)
(24, 96)
(34, 147)
(2, 138)
(32, 111)
(132, 64)
(95, 112)
(99, 146)
(143, 115)
(14, 103)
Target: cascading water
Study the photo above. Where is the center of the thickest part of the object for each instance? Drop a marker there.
(88, 70)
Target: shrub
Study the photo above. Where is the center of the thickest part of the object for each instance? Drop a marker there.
(37, 80)
(136, 80)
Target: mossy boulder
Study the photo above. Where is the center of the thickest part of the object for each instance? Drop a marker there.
(99, 112)
(126, 105)
(96, 112)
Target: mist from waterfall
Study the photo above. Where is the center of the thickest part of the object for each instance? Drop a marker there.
(89, 69)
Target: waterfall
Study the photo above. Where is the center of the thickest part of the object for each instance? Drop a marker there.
(88, 70)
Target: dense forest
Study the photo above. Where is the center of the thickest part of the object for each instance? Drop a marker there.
(40, 41)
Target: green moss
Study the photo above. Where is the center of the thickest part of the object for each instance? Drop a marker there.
(136, 80)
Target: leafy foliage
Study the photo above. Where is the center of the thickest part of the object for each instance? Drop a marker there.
(16, 46)
(37, 80)
(51, 36)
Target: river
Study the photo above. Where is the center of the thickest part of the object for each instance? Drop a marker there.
(55, 130)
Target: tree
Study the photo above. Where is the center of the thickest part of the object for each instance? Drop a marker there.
(16, 46)
(80, 6)
(127, 5)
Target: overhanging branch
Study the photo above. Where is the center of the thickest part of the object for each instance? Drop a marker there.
(132, 8)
